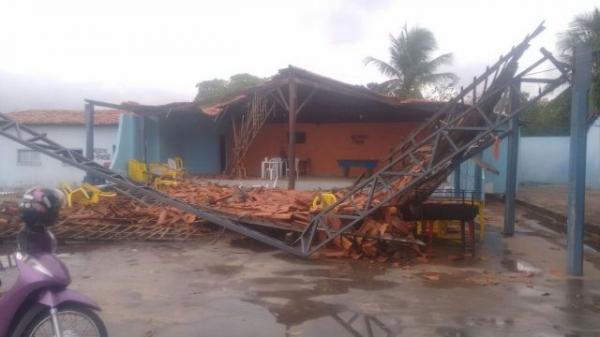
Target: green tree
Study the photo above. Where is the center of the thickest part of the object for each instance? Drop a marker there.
(411, 66)
(547, 117)
(212, 91)
(585, 28)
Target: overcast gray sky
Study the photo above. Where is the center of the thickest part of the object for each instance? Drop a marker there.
(55, 53)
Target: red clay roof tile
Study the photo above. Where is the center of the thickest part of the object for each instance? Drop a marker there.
(64, 117)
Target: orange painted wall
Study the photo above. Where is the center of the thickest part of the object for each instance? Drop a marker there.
(326, 143)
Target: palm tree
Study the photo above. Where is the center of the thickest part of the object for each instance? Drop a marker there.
(411, 67)
(585, 28)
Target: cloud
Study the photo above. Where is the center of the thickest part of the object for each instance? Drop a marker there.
(346, 26)
(21, 92)
(119, 47)
(347, 19)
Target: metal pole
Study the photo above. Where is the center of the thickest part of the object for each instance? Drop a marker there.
(457, 189)
(511, 163)
(88, 116)
(142, 139)
(292, 105)
(477, 182)
(577, 158)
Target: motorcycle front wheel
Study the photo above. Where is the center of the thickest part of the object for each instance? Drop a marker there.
(73, 320)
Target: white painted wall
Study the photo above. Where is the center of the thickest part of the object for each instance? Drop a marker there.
(545, 160)
(50, 172)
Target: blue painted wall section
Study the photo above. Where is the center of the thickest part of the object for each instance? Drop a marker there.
(545, 160)
(542, 160)
(467, 176)
(496, 183)
(194, 138)
(127, 143)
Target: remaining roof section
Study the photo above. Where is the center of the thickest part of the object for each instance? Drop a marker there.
(151, 110)
(64, 117)
(327, 100)
(311, 80)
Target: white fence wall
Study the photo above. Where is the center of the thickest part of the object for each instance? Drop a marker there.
(545, 160)
(50, 172)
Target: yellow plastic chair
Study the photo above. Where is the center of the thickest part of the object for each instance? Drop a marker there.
(96, 193)
(160, 182)
(137, 171)
(323, 200)
(175, 166)
(75, 195)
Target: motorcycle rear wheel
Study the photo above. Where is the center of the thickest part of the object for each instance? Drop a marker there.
(74, 320)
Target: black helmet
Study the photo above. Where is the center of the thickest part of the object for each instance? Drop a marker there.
(41, 206)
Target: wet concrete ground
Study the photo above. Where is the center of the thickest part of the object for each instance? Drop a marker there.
(514, 287)
(554, 198)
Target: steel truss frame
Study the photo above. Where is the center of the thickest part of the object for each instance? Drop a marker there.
(444, 133)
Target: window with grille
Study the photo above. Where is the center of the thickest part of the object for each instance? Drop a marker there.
(28, 158)
(300, 137)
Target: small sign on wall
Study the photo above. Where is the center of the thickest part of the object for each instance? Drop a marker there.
(102, 156)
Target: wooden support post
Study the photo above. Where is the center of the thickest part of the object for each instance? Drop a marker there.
(292, 106)
(577, 159)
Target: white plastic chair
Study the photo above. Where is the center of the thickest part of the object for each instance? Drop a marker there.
(297, 166)
(274, 168)
(263, 168)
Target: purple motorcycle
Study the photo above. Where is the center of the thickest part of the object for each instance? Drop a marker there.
(39, 303)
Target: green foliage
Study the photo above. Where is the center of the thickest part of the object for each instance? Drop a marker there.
(548, 118)
(379, 88)
(585, 28)
(212, 91)
(411, 66)
(552, 118)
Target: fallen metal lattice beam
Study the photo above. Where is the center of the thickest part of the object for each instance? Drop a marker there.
(461, 129)
(466, 126)
(39, 142)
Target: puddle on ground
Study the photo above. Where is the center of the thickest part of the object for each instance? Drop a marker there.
(297, 312)
(322, 272)
(461, 279)
(310, 261)
(579, 299)
(451, 332)
(519, 266)
(321, 287)
(297, 304)
(275, 280)
(226, 270)
(492, 322)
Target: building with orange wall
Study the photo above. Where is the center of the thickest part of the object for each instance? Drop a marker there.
(331, 122)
